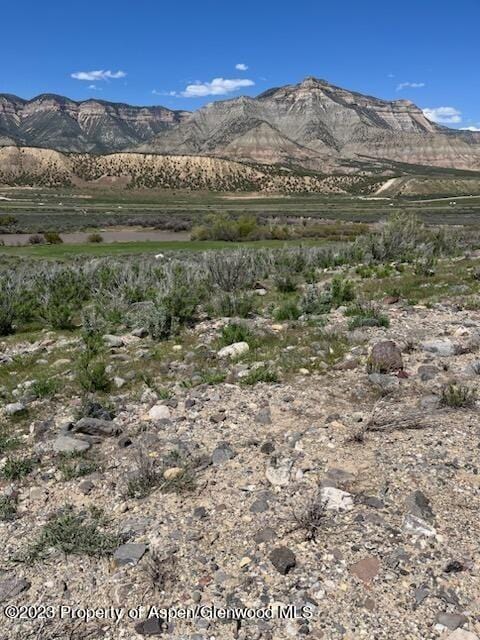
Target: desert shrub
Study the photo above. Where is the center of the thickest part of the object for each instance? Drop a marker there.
(235, 332)
(312, 518)
(230, 305)
(36, 239)
(221, 226)
(458, 396)
(52, 237)
(425, 266)
(285, 283)
(260, 374)
(95, 238)
(311, 301)
(63, 290)
(366, 314)
(8, 293)
(233, 271)
(287, 310)
(149, 475)
(92, 373)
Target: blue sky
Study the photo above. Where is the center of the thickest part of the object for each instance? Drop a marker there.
(185, 54)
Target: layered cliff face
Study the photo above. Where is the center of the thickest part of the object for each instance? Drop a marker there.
(320, 126)
(92, 126)
(313, 124)
(23, 166)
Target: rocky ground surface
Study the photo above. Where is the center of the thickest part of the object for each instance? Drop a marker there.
(350, 491)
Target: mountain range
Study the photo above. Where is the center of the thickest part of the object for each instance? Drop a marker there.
(314, 125)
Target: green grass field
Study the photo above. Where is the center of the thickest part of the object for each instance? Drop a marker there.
(129, 248)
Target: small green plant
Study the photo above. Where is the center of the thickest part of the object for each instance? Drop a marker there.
(8, 509)
(45, 387)
(366, 314)
(150, 475)
(75, 465)
(73, 533)
(260, 374)
(235, 332)
(213, 377)
(7, 442)
(92, 373)
(17, 468)
(288, 310)
(458, 396)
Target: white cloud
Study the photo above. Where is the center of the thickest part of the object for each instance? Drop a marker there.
(94, 76)
(410, 85)
(217, 87)
(94, 87)
(241, 66)
(470, 129)
(443, 115)
(164, 93)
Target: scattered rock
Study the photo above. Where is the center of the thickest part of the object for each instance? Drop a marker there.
(234, 350)
(418, 504)
(15, 408)
(66, 444)
(443, 348)
(336, 500)
(96, 427)
(462, 634)
(159, 412)
(12, 587)
(451, 620)
(173, 473)
(279, 475)
(222, 454)
(366, 570)
(283, 559)
(385, 357)
(113, 341)
(129, 553)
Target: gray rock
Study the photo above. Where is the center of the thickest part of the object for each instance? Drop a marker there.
(12, 587)
(66, 444)
(234, 350)
(96, 427)
(418, 504)
(427, 372)
(384, 382)
(222, 454)
(451, 620)
(113, 341)
(264, 416)
(152, 627)
(140, 332)
(283, 559)
(129, 553)
(385, 357)
(443, 348)
(86, 487)
(462, 634)
(265, 535)
(259, 506)
(279, 475)
(14, 408)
